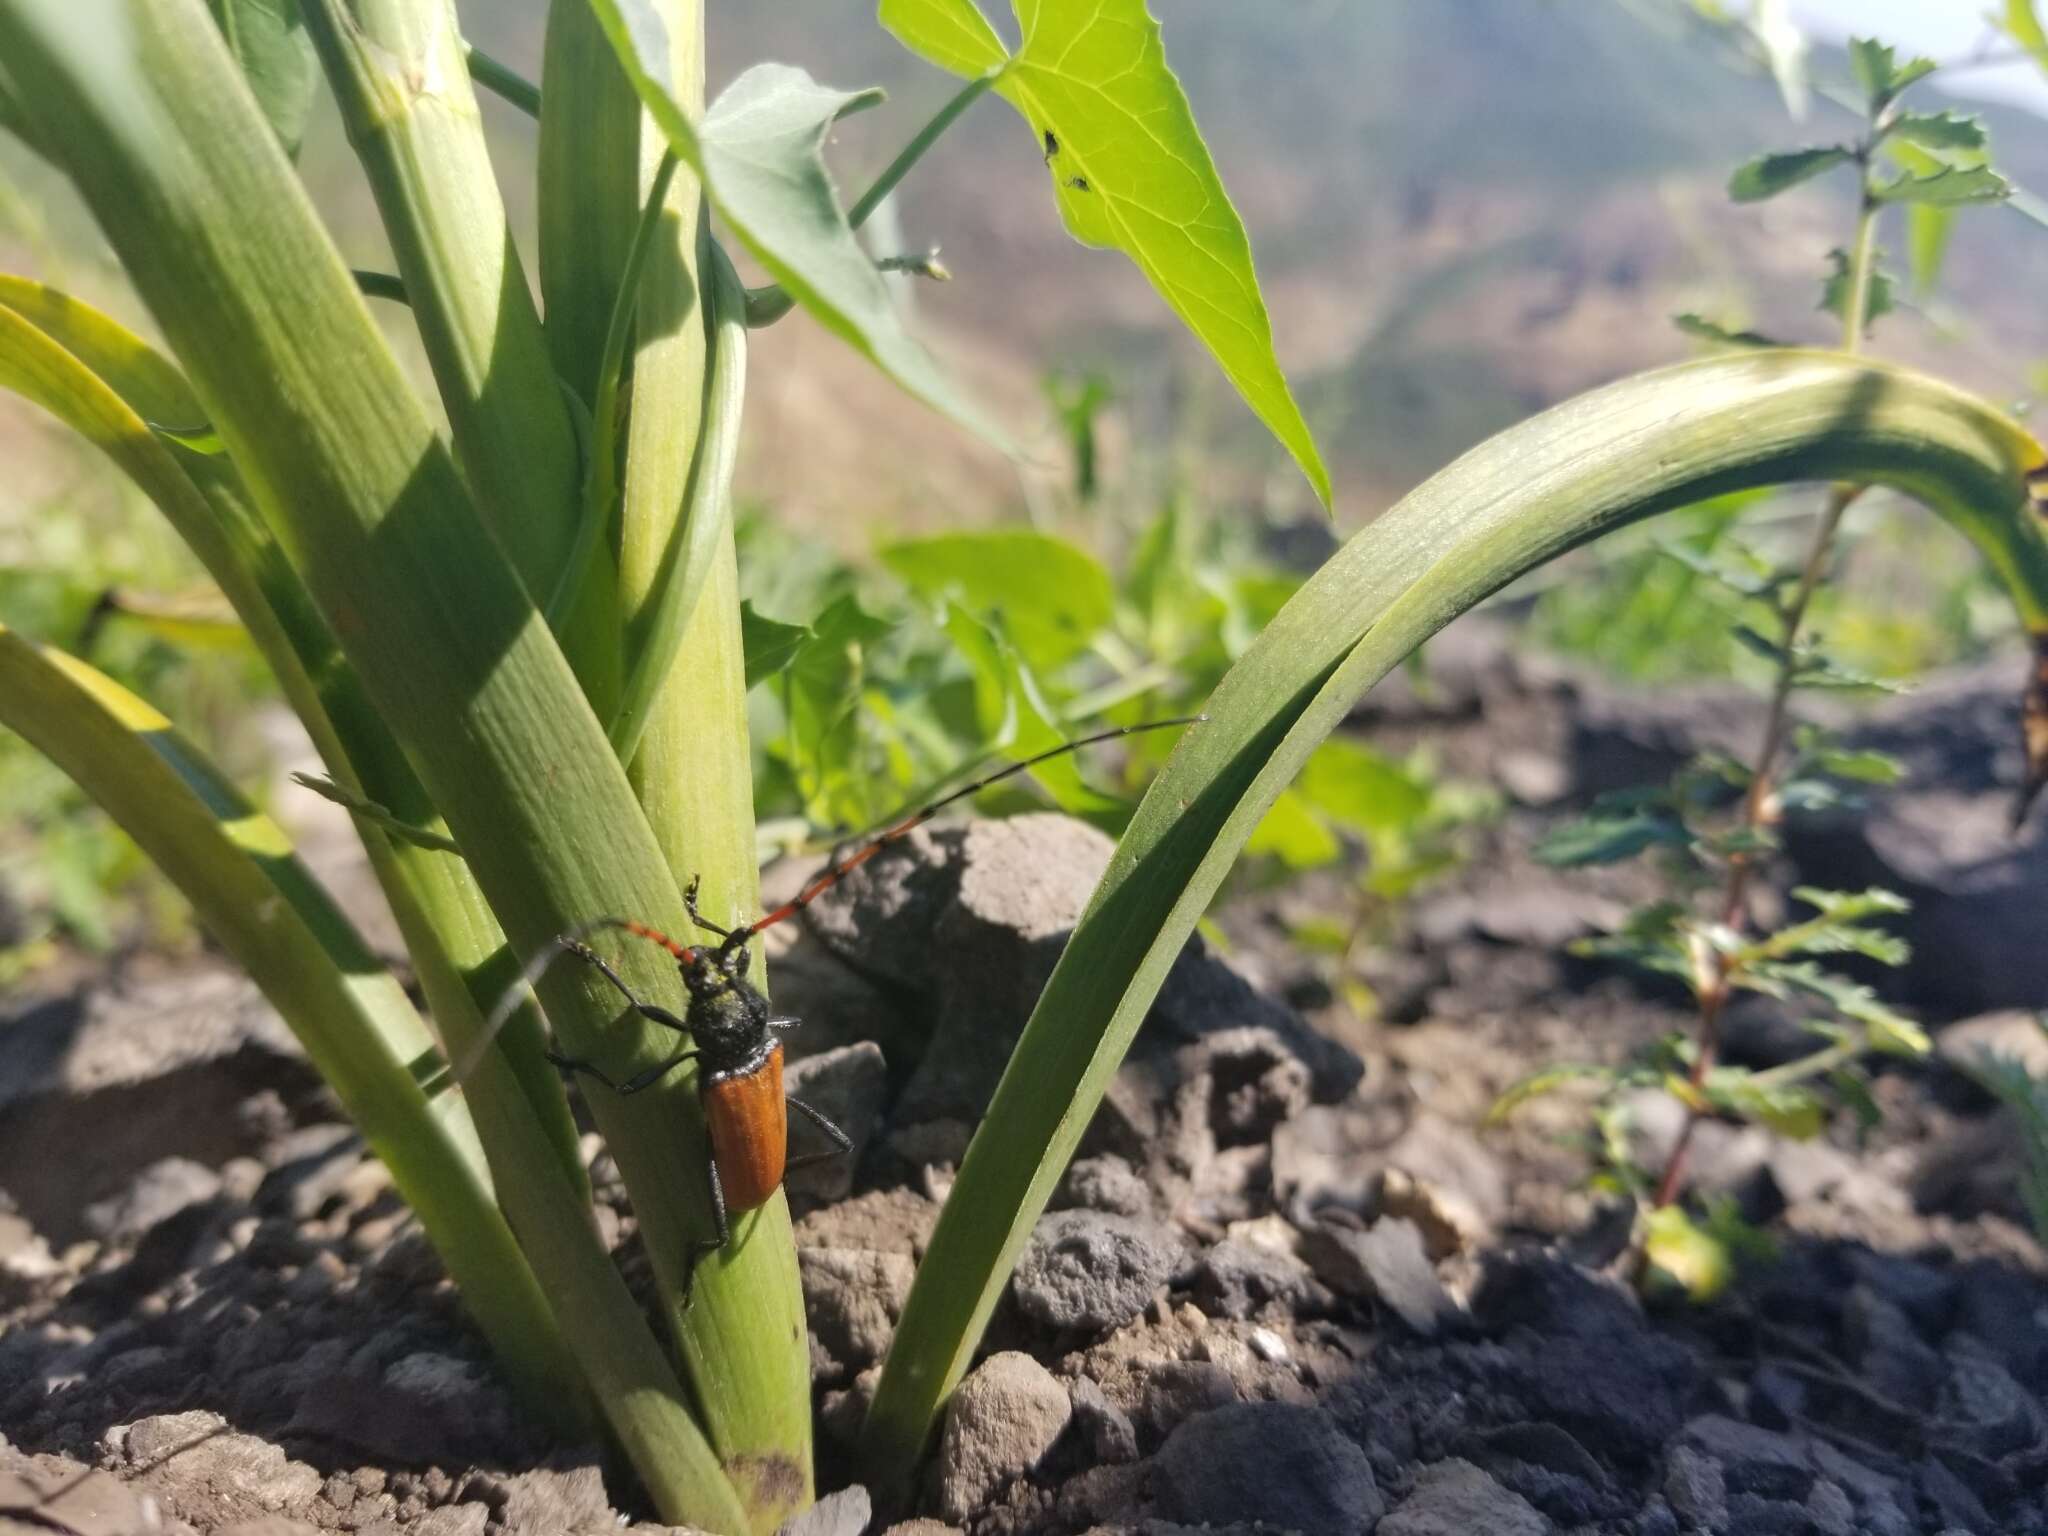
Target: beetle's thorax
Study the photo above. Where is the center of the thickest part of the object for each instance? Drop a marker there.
(728, 1016)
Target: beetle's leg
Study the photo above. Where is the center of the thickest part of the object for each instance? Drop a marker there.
(843, 1142)
(646, 1010)
(783, 1026)
(633, 1084)
(690, 906)
(703, 1249)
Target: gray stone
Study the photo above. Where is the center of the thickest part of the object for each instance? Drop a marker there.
(1000, 1423)
(1695, 1488)
(1105, 1183)
(848, 1086)
(1829, 1510)
(1455, 1498)
(157, 1193)
(1240, 1279)
(853, 1298)
(545, 1501)
(1286, 1464)
(1094, 1271)
(1983, 1404)
(1883, 1342)
(1111, 1436)
(198, 1448)
(845, 1513)
(54, 1493)
(1757, 1461)
(1175, 1391)
(1386, 1263)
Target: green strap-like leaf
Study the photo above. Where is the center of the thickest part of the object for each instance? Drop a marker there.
(1639, 447)
(238, 870)
(1129, 171)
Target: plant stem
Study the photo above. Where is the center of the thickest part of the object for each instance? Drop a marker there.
(1714, 976)
(914, 151)
(502, 80)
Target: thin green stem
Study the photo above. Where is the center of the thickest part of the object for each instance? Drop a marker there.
(601, 475)
(1760, 810)
(501, 80)
(914, 151)
(769, 303)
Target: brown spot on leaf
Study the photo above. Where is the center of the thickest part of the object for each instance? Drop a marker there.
(768, 1481)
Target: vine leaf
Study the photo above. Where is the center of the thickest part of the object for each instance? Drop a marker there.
(1129, 171)
(758, 153)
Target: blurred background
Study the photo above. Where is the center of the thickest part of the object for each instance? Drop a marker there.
(1464, 211)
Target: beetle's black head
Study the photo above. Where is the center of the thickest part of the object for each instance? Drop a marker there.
(728, 1016)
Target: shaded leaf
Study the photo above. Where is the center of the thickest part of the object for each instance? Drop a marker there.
(270, 43)
(1880, 74)
(1834, 297)
(758, 152)
(1129, 170)
(1363, 789)
(1701, 327)
(1768, 175)
(1939, 130)
(770, 645)
(1609, 839)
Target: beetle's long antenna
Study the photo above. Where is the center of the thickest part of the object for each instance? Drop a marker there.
(840, 868)
(531, 973)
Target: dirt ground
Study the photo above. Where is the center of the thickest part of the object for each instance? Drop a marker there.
(1288, 1285)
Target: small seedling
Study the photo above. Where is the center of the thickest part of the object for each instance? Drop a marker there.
(729, 1020)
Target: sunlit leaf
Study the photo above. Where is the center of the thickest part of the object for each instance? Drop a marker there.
(1129, 170)
(1052, 597)
(1536, 1084)
(1695, 1261)
(1363, 789)
(1294, 834)
(2023, 24)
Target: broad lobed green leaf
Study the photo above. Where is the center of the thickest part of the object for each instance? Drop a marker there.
(1129, 170)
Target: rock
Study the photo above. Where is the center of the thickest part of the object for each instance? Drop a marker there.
(1984, 1407)
(1203, 997)
(1327, 1156)
(268, 1525)
(1549, 1468)
(1696, 1488)
(158, 1192)
(1175, 1391)
(853, 1298)
(545, 1501)
(1000, 1424)
(1757, 1461)
(1455, 1498)
(1112, 1438)
(1386, 1263)
(1282, 1463)
(848, 1087)
(2013, 1033)
(197, 1450)
(923, 1528)
(1240, 1279)
(1104, 1183)
(2003, 1310)
(880, 1221)
(453, 1520)
(845, 1513)
(54, 1493)
(1888, 1350)
(1093, 1271)
(1952, 1498)
(308, 1168)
